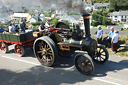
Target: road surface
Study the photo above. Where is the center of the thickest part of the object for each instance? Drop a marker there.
(15, 70)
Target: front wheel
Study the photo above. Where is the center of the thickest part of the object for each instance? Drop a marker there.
(84, 64)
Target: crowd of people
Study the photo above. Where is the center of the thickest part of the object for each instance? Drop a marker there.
(14, 28)
(110, 40)
(20, 28)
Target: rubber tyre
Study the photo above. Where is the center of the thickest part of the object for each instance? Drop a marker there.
(5, 49)
(85, 62)
(52, 47)
(21, 51)
(102, 55)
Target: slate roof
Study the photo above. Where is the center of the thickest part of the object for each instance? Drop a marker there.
(120, 13)
(101, 4)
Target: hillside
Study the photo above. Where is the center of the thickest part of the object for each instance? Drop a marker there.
(116, 4)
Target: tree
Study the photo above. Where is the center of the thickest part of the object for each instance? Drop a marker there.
(111, 9)
(94, 23)
(54, 21)
(100, 19)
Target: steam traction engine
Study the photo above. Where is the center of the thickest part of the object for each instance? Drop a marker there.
(63, 41)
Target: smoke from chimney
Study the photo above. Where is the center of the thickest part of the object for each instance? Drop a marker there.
(7, 6)
(65, 5)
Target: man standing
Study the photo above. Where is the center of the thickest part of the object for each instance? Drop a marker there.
(99, 35)
(114, 41)
(22, 25)
(111, 33)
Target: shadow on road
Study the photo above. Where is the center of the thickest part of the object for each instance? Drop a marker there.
(40, 75)
(110, 66)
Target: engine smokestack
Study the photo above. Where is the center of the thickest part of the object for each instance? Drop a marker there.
(86, 18)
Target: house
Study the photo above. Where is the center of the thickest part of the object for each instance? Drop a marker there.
(37, 17)
(16, 16)
(42, 17)
(4, 20)
(33, 20)
(121, 16)
(88, 2)
(98, 6)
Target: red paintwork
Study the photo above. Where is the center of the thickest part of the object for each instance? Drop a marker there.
(53, 30)
(25, 44)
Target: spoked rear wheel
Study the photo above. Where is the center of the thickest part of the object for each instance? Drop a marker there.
(4, 47)
(84, 64)
(19, 50)
(45, 51)
(101, 55)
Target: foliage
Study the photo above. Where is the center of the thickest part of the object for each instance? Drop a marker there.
(47, 14)
(69, 13)
(66, 21)
(114, 4)
(54, 21)
(37, 23)
(101, 17)
(100, 1)
(124, 39)
(111, 9)
(94, 23)
(102, 20)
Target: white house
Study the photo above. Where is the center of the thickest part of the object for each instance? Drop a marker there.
(121, 16)
(26, 16)
(4, 20)
(88, 2)
(33, 20)
(37, 17)
(42, 17)
(98, 6)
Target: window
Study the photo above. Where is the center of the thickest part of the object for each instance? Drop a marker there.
(115, 16)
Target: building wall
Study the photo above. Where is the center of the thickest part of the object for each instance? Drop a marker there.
(29, 17)
(119, 18)
(32, 20)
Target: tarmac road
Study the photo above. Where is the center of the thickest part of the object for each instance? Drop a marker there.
(15, 70)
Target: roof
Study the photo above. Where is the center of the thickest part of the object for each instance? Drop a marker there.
(101, 4)
(20, 14)
(76, 17)
(120, 13)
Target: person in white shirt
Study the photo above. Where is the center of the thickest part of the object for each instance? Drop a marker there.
(10, 29)
(47, 24)
(114, 41)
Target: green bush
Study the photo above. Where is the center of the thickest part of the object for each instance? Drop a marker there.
(54, 21)
(94, 23)
(38, 23)
(111, 9)
(66, 21)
